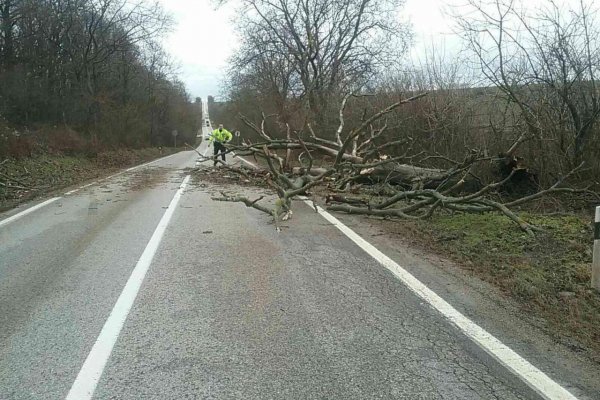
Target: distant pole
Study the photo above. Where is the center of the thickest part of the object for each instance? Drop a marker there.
(596, 256)
(174, 133)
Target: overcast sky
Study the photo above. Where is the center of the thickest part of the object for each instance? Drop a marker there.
(204, 37)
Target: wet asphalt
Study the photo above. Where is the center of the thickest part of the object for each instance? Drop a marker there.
(230, 308)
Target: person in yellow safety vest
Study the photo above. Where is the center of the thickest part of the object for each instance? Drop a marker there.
(219, 137)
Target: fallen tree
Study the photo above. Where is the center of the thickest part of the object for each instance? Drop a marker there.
(411, 191)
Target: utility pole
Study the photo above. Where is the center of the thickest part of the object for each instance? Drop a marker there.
(596, 256)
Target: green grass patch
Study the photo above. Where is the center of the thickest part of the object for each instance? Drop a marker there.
(549, 273)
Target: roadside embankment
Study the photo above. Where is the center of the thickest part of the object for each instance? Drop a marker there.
(30, 177)
(549, 274)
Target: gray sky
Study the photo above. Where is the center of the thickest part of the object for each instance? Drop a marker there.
(204, 37)
(202, 41)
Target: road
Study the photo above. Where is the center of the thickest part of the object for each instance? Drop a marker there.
(141, 287)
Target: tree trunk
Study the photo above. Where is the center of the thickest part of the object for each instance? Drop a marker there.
(397, 174)
(6, 25)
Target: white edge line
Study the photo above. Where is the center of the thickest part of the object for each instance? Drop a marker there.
(27, 211)
(45, 203)
(244, 160)
(89, 184)
(533, 377)
(85, 384)
(148, 163)
(235, 156)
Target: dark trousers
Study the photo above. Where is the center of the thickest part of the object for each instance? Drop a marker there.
(219, 148)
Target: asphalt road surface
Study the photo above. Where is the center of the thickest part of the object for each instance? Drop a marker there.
(141, 287)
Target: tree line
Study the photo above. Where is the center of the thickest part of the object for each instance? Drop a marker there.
(95, 67)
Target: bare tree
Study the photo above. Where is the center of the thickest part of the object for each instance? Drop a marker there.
(324, 48)
(544, 60)
(292, 55)
(9, 14)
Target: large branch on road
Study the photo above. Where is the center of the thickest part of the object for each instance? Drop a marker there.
(412, 191)
(361, 128)
(382, 170)
(249, 203)
(418, 204)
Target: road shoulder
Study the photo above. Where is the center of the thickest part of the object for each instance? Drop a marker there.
(486, 305)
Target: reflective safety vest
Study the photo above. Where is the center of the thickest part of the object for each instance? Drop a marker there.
(221, 135)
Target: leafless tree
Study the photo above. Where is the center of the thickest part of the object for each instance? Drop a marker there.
(545, 61)
(284, 61)
(9, 14)
(317, 50)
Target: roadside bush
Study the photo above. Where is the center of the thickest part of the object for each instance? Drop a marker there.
(17, 146)
(66, 141)
(115, 158)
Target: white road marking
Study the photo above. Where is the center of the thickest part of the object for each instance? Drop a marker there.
(148, 163)
(233, 155)
(85, 384)
(84, 186)
(532, 376)
(244, 160)
(45, 203)
(27, 211)
(89, 184)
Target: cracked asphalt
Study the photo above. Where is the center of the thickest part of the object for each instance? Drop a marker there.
(229, 309)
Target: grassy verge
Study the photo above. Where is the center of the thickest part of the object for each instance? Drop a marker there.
(27, 178)
(548, 274)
